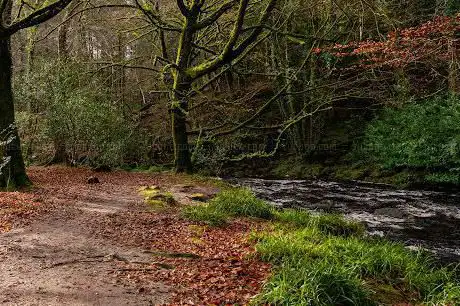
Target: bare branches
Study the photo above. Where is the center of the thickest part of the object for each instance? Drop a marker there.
(216, 15)
(37, 17)
(183, 8)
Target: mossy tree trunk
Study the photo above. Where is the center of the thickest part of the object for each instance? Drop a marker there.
(182, 88)
(15, 173)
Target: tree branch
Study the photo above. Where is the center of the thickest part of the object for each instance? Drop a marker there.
(37, 17)
(183, 8)
(214, 16)
(225, 56)
(229, 52)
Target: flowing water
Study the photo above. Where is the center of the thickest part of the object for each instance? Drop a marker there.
(426, 219)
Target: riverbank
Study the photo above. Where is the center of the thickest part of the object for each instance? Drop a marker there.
(327, 260)
(342, 171)
(173, 240)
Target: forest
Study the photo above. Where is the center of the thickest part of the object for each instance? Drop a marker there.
(229, 152)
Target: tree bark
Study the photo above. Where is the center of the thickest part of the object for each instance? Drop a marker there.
(15, 173)
(60, 148)
(180, 96)
(179, 110)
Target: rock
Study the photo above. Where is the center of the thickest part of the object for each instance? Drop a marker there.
(391, 212)
(200, 197)
(160, 198)
(102, 168)
(93, 180)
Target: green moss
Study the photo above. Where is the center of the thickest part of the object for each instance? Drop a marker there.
(344, 172)
(298, 169)
(155, 198)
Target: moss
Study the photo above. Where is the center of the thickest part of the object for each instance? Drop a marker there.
(297, 168)
(155, 198)
(344, 172)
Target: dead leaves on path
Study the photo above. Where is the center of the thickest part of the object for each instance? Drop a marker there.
(212, 266)
(16, 207)
(202, 265)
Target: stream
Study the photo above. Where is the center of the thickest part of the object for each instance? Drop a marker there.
(426, 219)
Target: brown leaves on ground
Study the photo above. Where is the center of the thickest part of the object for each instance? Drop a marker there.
(210, 265)
(16, 208)
(203, 265)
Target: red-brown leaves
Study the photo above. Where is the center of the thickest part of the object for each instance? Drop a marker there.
(426, 42)
(16, 207)
(202, 265)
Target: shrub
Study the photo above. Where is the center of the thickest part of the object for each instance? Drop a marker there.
(66, 103)
(418, 135)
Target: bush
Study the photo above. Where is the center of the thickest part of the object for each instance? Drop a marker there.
(418, 135)
(64, 102)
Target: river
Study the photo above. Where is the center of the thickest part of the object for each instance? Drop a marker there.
(419, 219)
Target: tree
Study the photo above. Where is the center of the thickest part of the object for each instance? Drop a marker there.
(8, 27)
(187, 69)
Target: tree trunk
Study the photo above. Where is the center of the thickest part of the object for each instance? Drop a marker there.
(15, 173)
(60, 148)
(179, 110)
(180, 95)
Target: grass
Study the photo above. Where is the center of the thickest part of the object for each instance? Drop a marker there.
(205, 214)
(233, 202)
(327, 260)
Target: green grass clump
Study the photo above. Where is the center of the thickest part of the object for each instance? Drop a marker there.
(322, 259)
(327, 223)
(317, 282)
(236, 202)
(317, 267)
(206, 214)
(242, 202)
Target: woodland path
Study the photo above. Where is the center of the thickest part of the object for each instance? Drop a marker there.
(67, 242)
(57, 259)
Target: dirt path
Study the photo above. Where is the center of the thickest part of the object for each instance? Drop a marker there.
(57, 260)
(81, 244)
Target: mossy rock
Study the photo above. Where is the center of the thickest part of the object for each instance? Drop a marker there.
(148, 190)
(164, 198)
